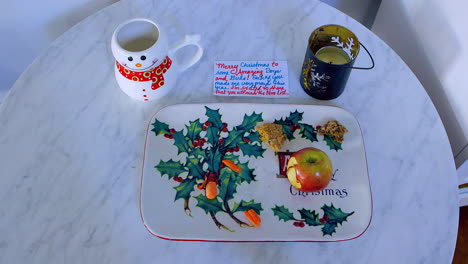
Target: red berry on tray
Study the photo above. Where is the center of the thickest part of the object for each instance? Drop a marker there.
(203, 128)
(292, 127)
(225, 129)
(225, 124)
(326, 218)
(246, 140)
(172, 130)
(236, 149)
(207, 123)
(322, 220)
(297, 126)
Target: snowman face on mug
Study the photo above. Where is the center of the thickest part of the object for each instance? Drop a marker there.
(139, 61)
(137, 45)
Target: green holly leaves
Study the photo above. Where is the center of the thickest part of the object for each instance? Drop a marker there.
(252, 150)
(283, 213)
(335, 216)
(206, 144)
(335, 213)
(193, 130)
(214, 117)
(291, 123)
(160, 128)
(250, 122)
(331, 217)
(180, 141)
(185, 188)
(308, 132)
(209, 205)
(311, 218)
(227, 184)
(194, 167)
(334, 145)
(245, 206)
(170, 168)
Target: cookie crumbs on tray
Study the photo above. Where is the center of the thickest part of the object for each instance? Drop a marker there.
(333, 129)
(272, 135)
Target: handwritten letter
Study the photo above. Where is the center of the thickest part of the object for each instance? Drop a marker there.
(251, 78)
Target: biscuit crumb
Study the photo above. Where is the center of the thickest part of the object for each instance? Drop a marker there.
(333, 129)
(272, 135)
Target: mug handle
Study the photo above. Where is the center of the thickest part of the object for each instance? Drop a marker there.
(189, 40)
(370, 56)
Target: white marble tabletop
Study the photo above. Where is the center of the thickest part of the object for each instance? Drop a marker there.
(71, 143)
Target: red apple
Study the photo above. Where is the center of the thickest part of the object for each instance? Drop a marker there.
(309, 170)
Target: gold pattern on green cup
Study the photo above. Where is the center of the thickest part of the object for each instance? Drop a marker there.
(330, 55)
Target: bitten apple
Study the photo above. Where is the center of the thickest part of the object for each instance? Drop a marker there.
(309, 170)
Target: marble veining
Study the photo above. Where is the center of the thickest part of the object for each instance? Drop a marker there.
(71, 142)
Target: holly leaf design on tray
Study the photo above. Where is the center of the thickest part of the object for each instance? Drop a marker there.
(203, 146)
(311, 218)
(283, 213)
(252, 150)
(180, 141)
(194, 168)
(198, 152)
(329, 229)
(247, 174)
(294, 117)
(308, 132)
(250, 122)
(245, 206)
(233, 138)
(160, 128)
(253, 137)
(336, 215)
(289, 124)
(193, 130)
(331, 217)
(231, 157)
(185, 188)
(214, 159)
(170, 168)
(214, 117)
(209, 205)
(212, 134)
(227, 185)
(332, 143)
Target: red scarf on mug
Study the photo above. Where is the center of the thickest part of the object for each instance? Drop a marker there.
(155, 74)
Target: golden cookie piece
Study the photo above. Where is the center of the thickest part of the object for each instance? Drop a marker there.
(272, 135)
(334, 129)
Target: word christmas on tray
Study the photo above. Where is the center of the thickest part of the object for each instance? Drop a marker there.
(251, 78)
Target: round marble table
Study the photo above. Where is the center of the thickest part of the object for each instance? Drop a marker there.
(71, 143)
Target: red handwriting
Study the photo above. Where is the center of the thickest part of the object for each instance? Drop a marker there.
(221, 78)
(239, 71)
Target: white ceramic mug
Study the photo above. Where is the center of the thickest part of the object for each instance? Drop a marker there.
(145, 66)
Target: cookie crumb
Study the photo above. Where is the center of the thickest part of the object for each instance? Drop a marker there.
(333, 129)
(272, 135)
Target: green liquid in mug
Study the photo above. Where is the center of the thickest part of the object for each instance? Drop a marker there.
(332, 55)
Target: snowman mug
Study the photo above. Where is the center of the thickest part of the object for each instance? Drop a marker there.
(145, 66)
